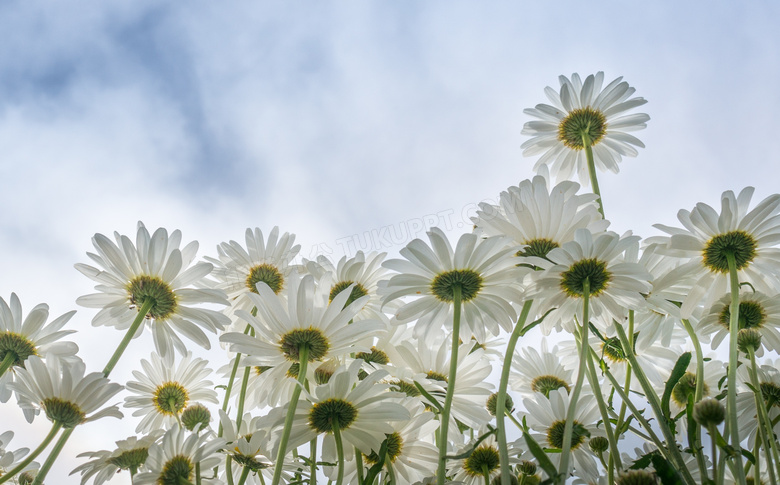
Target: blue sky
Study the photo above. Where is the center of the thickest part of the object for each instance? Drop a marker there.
(333, 119)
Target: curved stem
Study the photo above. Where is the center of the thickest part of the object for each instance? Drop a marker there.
(37, 451)
(244, 475)
(594, 181)
(501, 396)
(303, 361)
(339, 450)
(8, 361)
(614, 452)
(697, 446)
(764, 425)
(731, 395)
(139, 319)
(445, 414)
(563, 470)
(655, 403)
(711, 429)
(53, 454)
(229, 388)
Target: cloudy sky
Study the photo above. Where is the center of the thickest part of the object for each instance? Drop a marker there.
(337, 119)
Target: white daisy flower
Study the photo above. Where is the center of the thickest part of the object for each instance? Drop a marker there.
(21, 337)
(164, 390)
(756, 310)
(581, 114)
(361, 409)
(769, 383)
(707, 237)
(238, 270)
(483, 459)
(307, 319)
(484, 269)
(174, 459)
(361, 272)
(615, 285)
(539, 219)
(539, 371)
(130, 454)
(714, 374)
(63, 392)
(153, 271)
(548, 417)
(11, 459)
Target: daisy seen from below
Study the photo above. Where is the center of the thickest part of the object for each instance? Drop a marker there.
(240, 269)
(482, 465)
(547, 415)
(153, 275)
(586, 127)
(173, 461)
(349, 411)
(756, 310)
(249, 445)
(362, 272)
(484, 271)
(164, 390)
(540, 371)
(539, 219)
(11, 459)
(130, 455)
(769, 384)
(21, 337)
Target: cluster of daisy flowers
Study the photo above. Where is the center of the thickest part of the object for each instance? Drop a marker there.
(539, 348)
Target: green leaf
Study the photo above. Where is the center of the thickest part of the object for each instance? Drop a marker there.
(677, 372)
(665, 471)
(428, 396)
(540, 456)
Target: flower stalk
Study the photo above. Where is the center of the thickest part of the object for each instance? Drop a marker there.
(303, 360)
(445, 414)
(731, 395)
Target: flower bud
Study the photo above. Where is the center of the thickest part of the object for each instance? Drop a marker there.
(195, 417)
(709, 411)
(509, 404)
(599, 444)
(748, 338)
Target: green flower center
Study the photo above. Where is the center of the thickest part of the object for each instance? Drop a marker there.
(64, 412)
(196, 417)
(739, 243)
(592, 270)
(406, 387)
(268, 274)
(376, 356)
(395, 445)
(250, 462)
(547, 384)
(260, 369)
(444, 284)
(538, 247)
(637, 477)
(292, 372)
(324, 416)
(17, 346)
(751, 315)
(144, 288)
(685, 387)
(177, 470)
(581, 126)
(294, 341)
(358, 291)
(436, 376)
(170, 398)
(322, 374)
(484, 458)
(555, 434)
(492, 402)
(771, 392)
(130, 459)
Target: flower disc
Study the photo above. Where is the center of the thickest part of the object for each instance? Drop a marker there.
(739, 243)
(144, 288)
(583, 125)
(595, 271)
(444, 284)
(324, 415)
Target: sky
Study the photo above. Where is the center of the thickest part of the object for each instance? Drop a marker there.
(351, 124)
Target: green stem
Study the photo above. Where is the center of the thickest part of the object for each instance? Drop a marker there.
(515, 421)
(594, 181)
(229, 389)
(731, 395)
(197, 473)
(53, 454)
(229, 469)
(614, 452)
(339, 450)
(764, 424)
(359, 466)
(697, 446)
(627, 386)
(139, 319)
(303, 362)
(313, 462)
(37, 451)
(712, 429)
(486, 474)
(390, 471)
(8, 361)
(655, 403)
(445, 415)
(501, 396)
(244, 475)
(563, 469)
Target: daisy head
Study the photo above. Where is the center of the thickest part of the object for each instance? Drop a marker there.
(155, 275)
(708, 240)
(584, 115)
(129, 455)
(756, 311)
(481, 270)
(540, 371)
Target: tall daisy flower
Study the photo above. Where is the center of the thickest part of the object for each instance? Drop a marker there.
(21, 337)
(173, 460)
(64, 392)
(482, 464)
(164, 390)
(539, 219)
(540, 371)
(11, 459)
(152, 273)
(240, 269)
(615, 285)
(484, 270)
(583, 116)
(130, 455)
(756, 310)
